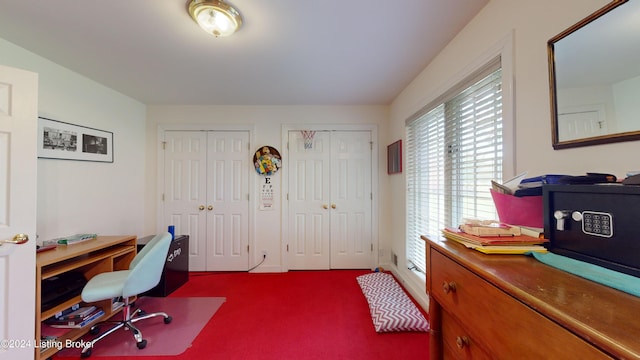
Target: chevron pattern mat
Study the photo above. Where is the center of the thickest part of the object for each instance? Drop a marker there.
(390, 307)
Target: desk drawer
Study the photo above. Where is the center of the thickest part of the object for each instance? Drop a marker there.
(496, 322)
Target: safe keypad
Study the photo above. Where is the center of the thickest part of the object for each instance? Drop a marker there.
(597, 223)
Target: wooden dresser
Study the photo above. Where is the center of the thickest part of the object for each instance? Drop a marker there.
(514, 307)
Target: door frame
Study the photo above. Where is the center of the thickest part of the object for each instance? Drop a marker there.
(374, 183)
(160, 173)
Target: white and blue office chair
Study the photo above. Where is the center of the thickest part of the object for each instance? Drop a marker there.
(143, 274)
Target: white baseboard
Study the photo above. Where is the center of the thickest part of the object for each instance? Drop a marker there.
(413, 286)
(268, 269)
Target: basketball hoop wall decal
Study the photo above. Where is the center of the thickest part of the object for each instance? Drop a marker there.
(308, 138)
(267, 160)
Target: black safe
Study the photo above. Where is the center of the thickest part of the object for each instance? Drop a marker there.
(176, 268)
(595, 223)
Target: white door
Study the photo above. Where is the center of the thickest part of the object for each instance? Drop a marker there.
(18, 169)
(206, 196)
(309, 202)
(351, 199)
(185, 194)
(228, 164)
(579, 125)
(330, 200)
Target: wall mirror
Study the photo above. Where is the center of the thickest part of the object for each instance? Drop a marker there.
(594, 77)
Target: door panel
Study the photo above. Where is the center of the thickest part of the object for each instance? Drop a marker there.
(185, 190)
(18, 174)
(228, 193)
(351, 200)
(309, 202)
(581, 124)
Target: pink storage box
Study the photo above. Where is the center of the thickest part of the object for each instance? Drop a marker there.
(523, 211)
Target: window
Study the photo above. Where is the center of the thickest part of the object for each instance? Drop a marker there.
(454, 150)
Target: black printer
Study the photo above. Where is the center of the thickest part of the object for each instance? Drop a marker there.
(598, 224)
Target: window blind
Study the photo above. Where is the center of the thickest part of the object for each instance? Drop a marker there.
(454, 150)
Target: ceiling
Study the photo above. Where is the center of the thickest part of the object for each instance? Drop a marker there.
(288, 52)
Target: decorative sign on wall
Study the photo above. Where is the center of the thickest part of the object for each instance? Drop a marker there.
(266, 195)
(60, 140)
(267, 160)
(394, 158)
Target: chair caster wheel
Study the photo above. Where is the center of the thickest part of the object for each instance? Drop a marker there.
(168, 319)
(85, 354)
(142, 344)
(95, 330)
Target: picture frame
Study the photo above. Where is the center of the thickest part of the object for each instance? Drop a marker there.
(64, 141)
(394, 158)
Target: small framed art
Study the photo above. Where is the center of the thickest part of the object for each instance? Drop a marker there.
(394, 158)
(60, 140)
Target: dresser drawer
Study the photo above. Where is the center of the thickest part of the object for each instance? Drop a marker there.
(494, 321)
(456, 344)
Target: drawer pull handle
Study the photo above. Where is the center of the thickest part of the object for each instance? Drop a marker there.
(448, 287)
(462, 342)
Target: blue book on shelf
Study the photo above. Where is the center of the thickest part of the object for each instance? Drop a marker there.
(78, 324)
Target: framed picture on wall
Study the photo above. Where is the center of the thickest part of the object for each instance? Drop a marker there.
(60, 140)
(394, 158)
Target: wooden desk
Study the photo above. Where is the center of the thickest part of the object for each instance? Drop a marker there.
(106, 253)
(514, 307)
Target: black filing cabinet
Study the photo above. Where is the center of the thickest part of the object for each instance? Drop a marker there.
(176, 268)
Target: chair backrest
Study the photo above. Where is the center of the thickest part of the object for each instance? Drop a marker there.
(146, 268)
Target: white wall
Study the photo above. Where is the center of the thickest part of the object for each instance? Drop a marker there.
(533, 24)
(625, 94)
(267, 122)
(80, 196)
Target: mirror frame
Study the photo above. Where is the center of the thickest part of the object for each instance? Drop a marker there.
(596, 140)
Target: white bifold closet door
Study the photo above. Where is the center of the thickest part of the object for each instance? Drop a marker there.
(206, 196)
(330, 200)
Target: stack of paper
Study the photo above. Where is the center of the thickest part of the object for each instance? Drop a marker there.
(489, 228)
(515, 244)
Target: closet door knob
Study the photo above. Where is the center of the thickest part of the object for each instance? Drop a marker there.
(333, 206)
(210, 207)
(201, 207)
(325, 206)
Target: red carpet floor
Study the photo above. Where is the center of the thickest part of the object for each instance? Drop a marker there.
(302, 315)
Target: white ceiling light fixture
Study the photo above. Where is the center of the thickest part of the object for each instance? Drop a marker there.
(215, 17)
